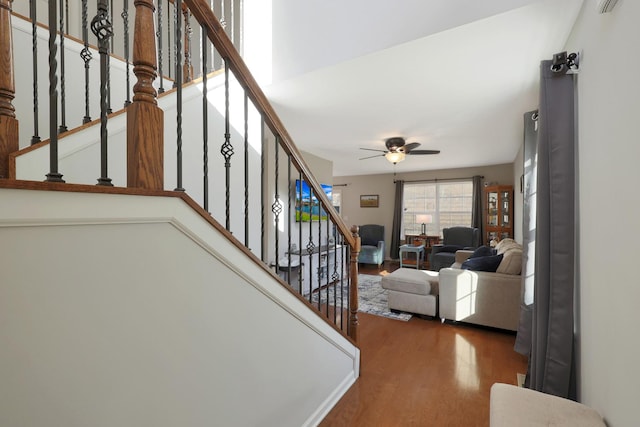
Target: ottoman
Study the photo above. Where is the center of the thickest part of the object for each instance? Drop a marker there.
(515, 406)
(413, 291)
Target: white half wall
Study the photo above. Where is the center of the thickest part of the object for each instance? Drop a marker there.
(609, 207)
(132, 310)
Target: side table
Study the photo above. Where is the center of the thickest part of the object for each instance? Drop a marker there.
(416, 249)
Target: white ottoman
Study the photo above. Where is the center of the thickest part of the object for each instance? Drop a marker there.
(413, 291)
(515, 406)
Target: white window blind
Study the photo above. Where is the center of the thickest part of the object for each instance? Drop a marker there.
(448, 203)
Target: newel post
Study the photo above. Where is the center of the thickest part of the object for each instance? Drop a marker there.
(353, 289)
(145, 120)
(8, 121)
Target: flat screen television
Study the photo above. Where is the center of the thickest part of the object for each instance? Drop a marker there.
(307, 207)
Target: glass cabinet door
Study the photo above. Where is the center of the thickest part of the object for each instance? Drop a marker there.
(504, 209)
(492, 208)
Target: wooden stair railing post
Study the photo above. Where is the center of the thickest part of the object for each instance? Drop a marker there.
(353, 288)
(145, 120)
(187, 67)
(8, 121)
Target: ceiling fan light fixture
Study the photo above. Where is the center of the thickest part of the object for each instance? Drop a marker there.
(394, 156)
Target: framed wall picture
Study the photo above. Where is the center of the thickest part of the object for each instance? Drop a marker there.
(369, 201)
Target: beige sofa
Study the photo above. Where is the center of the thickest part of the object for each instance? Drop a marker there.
(484, 298)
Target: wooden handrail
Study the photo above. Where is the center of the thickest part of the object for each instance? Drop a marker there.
(201, 11)
(8, 122)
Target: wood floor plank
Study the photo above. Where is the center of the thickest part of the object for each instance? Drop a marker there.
(425, 373)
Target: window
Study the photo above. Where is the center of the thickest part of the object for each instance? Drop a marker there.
(448, 204)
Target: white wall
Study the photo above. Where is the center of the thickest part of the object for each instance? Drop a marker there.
(609, 208)
(129, 311)
(383, 186)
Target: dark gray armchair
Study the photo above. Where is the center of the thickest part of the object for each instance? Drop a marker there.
(454, 239)
(372, 244)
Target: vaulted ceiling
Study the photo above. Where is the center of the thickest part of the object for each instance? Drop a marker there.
(454, 75)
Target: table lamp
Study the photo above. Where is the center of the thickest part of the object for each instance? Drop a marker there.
(423, 219)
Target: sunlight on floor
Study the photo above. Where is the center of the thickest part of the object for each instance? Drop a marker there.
(466, 368)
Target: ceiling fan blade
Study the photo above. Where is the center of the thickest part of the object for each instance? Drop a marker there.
(411, 146)
(371, 157)
(372, 149)
(424, 152)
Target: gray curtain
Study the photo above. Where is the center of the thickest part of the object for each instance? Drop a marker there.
(552, 355)
(397, 221)
(476, 211)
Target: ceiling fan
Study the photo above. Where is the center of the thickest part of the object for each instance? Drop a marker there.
(397, 149)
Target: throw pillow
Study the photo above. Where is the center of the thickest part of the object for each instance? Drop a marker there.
(511, 262)
(505, 244)
(482, 251)
(483, 263)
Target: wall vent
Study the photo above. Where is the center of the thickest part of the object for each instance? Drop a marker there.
(605, 6)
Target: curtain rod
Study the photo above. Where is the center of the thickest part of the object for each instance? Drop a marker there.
(435, 179)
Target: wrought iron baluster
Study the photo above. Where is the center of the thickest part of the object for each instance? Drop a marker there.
(178, 38)
(177, 23)
(86, 56)
(53, 175)
(110, 9)
(348, 295)
(276, 207)
(34, 49)
(263, 168)
(310, 244)
(335, 276)
(320, 263)
(159, 38)
(169, 35)
(223, 23)
(299, 214)
(109, 50)
(246, 157)
(288, 219)
(343, 250)
(205, 121)
(103, 30)
(125, 21)
(214, 8)
(227, 149)
(328, 259)
(63, 109)
(66, 6)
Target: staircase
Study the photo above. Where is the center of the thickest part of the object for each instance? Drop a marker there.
(153, 296)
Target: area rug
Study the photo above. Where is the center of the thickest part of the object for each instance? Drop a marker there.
(372, 298)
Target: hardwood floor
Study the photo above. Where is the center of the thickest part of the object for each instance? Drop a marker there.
(425, 373)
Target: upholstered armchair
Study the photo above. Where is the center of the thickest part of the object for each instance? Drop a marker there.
(454, 239)
(372, 244)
